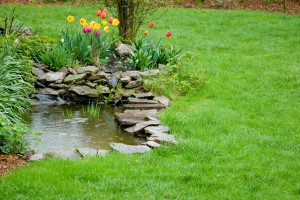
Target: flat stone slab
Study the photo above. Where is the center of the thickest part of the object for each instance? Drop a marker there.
(129, 149)
(56, 77)
(87, 70)
(36, 156)
(163, 137)
(75, 78)
(163, 100)
(100, 75)
(140, 126)
(144, 106)
(148, 95)
(128, 119)
(156, 129)
(49, 91)
(150, 112)
(141, 101)
(102, 152)
(85, 91)
(87, 152)
(152, 144)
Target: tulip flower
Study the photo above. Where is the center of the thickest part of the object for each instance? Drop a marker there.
(93, 25)
(98, 13)
(104, 23)
(82, 21)
(106, 29)
(97, 26)
(70, 18)
(115, 22)
(85, 29)
(104, 10)
(96, 33)
(151, 24)
(146, 32)
(103, 15)
(110, 20)
(168, 34)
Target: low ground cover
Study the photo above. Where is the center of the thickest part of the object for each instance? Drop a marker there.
(239, 136)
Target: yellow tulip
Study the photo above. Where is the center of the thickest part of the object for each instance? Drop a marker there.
(70, 18)
(93, 25)
(97, 26)
(82, 21)
(104, 23)
(115, 22)
(106, 29)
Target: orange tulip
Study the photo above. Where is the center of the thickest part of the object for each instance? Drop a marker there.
(98, 13)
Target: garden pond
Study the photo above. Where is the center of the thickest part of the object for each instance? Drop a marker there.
(67, 127)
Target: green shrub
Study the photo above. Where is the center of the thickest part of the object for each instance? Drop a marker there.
(182, 78)
(56, 58)
(14, 99)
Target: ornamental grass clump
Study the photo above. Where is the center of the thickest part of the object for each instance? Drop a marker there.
(148, 55)
(90, 42)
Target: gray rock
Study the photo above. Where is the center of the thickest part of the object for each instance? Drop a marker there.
(112, 83)
(156, 129)
(45, 99)
(37, 71)
(87, 152)
(124, 49)
(36, 156)
(63, 154)
(148, 95)
(125, 79)
(58, 85)
(118, 68)
(100, 81)
(150, 112)
(129, 149)
(87, 70)
(134, 75)
(163, 137)
(91, 85)
(75, 78)
(50, 91)
(102, 152)
(104, 90)
(127, 92)
(56, 77)
(134, 84)
(152, 144)
(64, 70)
(72, 70)
(100, 75)
(163, 100)
(139, 127)
(152, 72)
(141, 101)
(144, 106)
(85, 91)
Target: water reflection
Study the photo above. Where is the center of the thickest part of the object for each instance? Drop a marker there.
(65, 128)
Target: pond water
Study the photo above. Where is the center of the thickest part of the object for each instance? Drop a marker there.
(66, 127)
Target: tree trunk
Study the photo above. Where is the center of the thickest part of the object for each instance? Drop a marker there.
(126, 17)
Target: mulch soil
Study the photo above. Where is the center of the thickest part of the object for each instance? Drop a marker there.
(12, 161)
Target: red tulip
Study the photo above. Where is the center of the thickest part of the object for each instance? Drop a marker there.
(104, 10)
(110, 20)
(103, 15)
(151, 25)
(98, 13)
(168, 34)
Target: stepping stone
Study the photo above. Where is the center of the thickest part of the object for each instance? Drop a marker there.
(141, 101)
(152, 144)
(144, 106)
(36, 156)
(156, 129)
(163, 100)
(148, 95)
(102, 152)
(129, 149)
(163, 137)
(87, 152)
(150, 112)
(140, 126)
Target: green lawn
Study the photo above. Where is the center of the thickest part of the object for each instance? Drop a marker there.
(239, 136)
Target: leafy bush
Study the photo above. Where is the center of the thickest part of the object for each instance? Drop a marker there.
(182, 78)
(56, 58)
(14, 99)
(147, 55)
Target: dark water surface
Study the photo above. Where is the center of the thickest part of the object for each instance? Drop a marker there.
(65, 127)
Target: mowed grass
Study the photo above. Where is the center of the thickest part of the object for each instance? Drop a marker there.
(239, 136)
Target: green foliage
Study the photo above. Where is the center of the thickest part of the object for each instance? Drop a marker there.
(180, 79)
(14, 99)
(92, 110)
(147, 55)
(56, 58)
(86, 48)
(11, 25)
